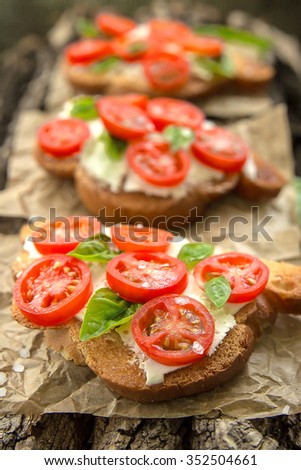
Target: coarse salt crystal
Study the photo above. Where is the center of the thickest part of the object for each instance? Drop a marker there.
(3, 378)
(2, 392)
(24, 353)
(18, 367)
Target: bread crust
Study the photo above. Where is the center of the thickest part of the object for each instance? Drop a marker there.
(60, 167)
(82, 79)
(284, 286)
(267, 184)
(135, 205)
(122, 375)
(60, 340)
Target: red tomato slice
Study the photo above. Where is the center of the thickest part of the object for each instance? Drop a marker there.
(141, 276)
(157, 164)
(65, 234)
(205, 46)
(138, 238)
(135, 99)
(86, 51)
(168, 30)
(165, 71)
(53, 289)
(123, 120)
(220, 149)
(130, 49)
(166, 111)
(114, 25)
(246, 274)
(175, 330)
(63, 137)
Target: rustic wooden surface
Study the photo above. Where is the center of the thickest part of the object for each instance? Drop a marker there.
(75, 431)
(24, 73)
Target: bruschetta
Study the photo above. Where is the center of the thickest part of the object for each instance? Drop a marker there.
(150, 157)
(164, 57)
(154, 318)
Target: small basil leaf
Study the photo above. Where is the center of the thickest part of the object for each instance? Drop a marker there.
(86, 28)
(105, 311)
(222, 66)
(96, 249)
(101, 236)
(178, 137)
(218, 290)
(235, 35)
(192, 253)
(114, 148)
(104, 65)
(137, 47)
(84, 108)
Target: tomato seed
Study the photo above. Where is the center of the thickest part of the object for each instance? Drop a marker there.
(71, 288)
(57, 264)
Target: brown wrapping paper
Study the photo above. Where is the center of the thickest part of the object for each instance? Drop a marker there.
(45, 382)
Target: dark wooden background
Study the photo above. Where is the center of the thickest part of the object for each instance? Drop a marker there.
(21, 17)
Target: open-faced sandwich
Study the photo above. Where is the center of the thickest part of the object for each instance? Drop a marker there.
(150, 157)
(117, 55)
(153, 317)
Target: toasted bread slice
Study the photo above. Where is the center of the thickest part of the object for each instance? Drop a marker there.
(61, 167)
(96, 196)
(86, 81)
(265, 184)
(250, 75)
(58, 338)
(284, 286)
(61, 341)
(119, 369)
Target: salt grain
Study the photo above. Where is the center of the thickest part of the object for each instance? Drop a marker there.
(3, 378)
(2, 392)
(24, 353)
(18, 367)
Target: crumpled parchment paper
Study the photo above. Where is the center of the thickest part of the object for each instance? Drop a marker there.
(269, 384)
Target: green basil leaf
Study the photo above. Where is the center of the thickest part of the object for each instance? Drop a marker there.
(218, 290)
(235, 35)
(86, 28)
(105, 65)
(137, 47)
(105, 311)
(114, 148)
(84, 108)
(192, 253)
(95, 249)
(222, 66)
(178, 136)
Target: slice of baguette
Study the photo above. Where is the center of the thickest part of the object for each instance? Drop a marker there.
(266, 184)
(96, 195)
(115, 363)
(250, 75)
(284, 286)
(84, 80)
(60, 167)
